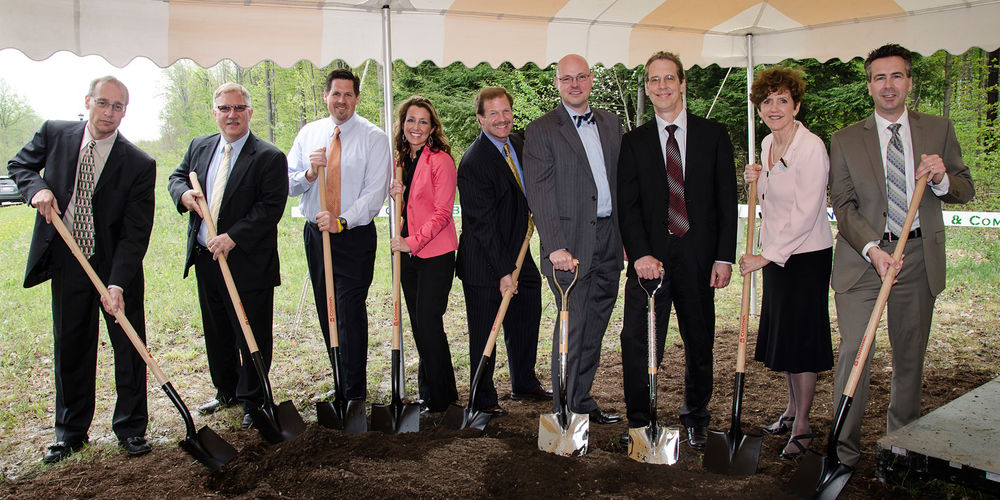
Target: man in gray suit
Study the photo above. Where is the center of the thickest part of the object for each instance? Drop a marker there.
(893, 148)
(570, 169)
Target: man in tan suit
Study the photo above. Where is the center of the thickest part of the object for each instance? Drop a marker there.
(893, 148)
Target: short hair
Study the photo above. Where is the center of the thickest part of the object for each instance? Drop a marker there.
(889, 50)
(776, 79)
(665, 56)
(232, 87)
(436, 140)
(107, 79)
(342, 74)
(488, 94)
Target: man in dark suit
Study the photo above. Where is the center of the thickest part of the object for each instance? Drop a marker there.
(101, 185)
(570, 170)
(494, 222)
(677, 199)
(874, 165)
(245, 189)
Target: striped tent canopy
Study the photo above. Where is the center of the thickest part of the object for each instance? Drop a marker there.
(473, 31)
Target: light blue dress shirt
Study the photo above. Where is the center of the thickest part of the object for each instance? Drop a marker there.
(213, 169)
(595, 157)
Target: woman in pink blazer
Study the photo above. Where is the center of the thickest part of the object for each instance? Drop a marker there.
(796, 251)
(428, 243)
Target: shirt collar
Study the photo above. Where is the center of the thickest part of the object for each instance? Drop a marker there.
(107, 142)
(237, 144)
(347, 125)
(681, 121)
(573, 113)
(497, 143)
(903, 121)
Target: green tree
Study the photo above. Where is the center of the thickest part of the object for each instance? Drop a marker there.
(18, 122)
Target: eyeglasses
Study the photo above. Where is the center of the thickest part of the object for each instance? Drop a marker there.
(239, 108)
(104, 104)
(582, 77)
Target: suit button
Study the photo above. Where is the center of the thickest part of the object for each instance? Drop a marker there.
(593, 222)
(593, 198)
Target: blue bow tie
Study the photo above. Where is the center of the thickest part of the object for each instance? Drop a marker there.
(588, 118)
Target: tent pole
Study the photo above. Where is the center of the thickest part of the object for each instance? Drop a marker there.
(751, 154)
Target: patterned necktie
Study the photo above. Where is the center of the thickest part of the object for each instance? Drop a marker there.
(333, 174)
(219, 185)
(83, 211)
(895, 174)
(513, 169)
(677, 215)
(584, 118)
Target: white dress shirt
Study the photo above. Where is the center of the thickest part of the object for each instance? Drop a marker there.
(595, 157)
(680, 134)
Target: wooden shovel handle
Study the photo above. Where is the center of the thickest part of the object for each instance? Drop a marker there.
(397, 217)
(509, 294)
(741, 352)
(883, 293)
(103, 290)
(331, 303)
(227, 275)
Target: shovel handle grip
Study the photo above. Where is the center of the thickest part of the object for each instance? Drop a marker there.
(883, 293)
(509, 294)
(741, 352)
(331, 303)
(103, 290)
(227, 275)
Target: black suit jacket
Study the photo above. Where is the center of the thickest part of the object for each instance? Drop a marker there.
(123, 201)
(494, 216)
(252, 205)
(709, 192)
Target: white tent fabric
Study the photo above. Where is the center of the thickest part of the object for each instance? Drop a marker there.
(472, 31)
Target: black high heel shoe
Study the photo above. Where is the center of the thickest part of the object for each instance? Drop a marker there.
(783, 425)
(795, 440)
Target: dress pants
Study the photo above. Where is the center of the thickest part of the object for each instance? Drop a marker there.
(75, 306)
(426, 284)
(520, 333)
(353, 255)
(224, 339)
(590, 304)
(910, 309)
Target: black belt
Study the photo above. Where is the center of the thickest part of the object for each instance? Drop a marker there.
(890, 237)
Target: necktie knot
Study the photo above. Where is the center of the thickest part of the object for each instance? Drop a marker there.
(587, 117)
(671, 129)
(894, 128)
(336, 131)
(228, 149)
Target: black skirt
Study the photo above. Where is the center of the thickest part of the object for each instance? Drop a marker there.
(794, 331)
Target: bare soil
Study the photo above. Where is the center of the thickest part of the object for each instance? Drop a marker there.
(504, 460)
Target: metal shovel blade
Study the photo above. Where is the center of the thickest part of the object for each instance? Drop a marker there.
(208, 448)
(349, 417)
(396, 418)
(732, 453)
(661, 449)
(278, 423)
(459, 417)
(820, 477)
(568, 442)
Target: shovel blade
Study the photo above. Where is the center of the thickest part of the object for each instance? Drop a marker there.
(396, 418)
(568, 442)
(208, 448)
(733, 455)
(820, 477)
(661, 449)
(349, 417)
(278, 423)
(459, 417)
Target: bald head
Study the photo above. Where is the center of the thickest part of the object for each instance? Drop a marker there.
(574, 81)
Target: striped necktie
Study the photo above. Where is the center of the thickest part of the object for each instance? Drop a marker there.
(677, 215)
(83, 211)
(513, 169)
(219, 185)
(895, 176)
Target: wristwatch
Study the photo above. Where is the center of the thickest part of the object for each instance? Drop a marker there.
(343, 223)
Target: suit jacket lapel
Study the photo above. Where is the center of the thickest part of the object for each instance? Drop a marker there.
(116, 157)
(874, 153)
(916, 137)
(605, 132)
(239, 169)
(568, 130)
(71, 144)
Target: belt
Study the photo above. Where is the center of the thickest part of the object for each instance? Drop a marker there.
(890, 237)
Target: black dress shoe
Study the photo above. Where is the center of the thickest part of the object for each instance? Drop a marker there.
(135, 446)
(697, 436)
(247, 421)
(495, 410)
(538, 394)
(599, 417)
(62, 450)
(215, 405)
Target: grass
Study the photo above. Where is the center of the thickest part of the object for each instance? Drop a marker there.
(301, 369)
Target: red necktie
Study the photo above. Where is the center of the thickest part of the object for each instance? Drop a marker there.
(677, 216)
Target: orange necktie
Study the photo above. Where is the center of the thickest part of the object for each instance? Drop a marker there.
(333, 174)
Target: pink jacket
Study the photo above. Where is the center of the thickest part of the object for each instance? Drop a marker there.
(429, 220)
(792, 198)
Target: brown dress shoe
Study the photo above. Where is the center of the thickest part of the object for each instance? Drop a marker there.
(538, 394)
(495, 410)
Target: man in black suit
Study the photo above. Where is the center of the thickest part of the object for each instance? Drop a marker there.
(677, 199)
(245, 188)
(101, 185)
(570, 170)
(494, 222)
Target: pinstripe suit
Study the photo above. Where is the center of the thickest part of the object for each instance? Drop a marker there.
(562, 195)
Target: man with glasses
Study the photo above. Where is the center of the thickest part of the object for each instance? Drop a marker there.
(570, 170)
(101, 186)
(244, 184)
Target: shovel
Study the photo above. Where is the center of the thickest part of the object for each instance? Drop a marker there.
(564, 432)
(733, 452)
(653, 444)
(825, 477)
(275, 423)
(396, 417)
(461, 418)
(341, 413)
(204, 445)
